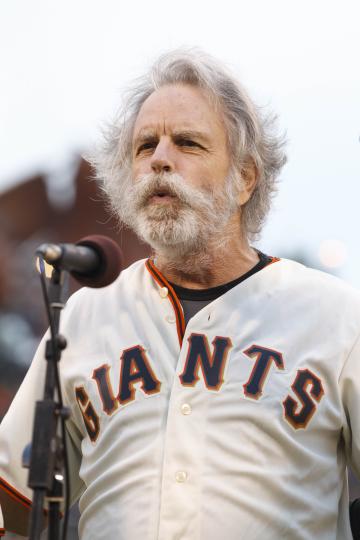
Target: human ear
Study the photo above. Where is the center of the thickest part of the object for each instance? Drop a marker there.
(249, 175)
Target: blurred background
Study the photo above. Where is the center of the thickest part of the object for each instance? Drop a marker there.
(63, 69)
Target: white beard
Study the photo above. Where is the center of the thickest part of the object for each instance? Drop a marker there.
(187, 223)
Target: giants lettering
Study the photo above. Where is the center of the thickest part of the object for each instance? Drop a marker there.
(212, 366)
(135, 369)
(264, 358)
(304, 379)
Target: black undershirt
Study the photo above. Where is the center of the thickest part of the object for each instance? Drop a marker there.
(192, 300)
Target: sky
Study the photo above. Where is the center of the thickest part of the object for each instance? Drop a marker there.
(64, 65)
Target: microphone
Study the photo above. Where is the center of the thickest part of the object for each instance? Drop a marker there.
(94, 261)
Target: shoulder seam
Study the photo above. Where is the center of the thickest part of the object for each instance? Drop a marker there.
(357, 339)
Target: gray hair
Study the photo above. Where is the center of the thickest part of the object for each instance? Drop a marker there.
(252, 137)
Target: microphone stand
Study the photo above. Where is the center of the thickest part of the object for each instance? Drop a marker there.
(47, 449)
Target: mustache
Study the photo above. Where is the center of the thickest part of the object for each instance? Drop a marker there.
(173, 184)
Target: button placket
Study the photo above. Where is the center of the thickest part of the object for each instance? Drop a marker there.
(181, 470)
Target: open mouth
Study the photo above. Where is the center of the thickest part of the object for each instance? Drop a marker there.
(161, 196)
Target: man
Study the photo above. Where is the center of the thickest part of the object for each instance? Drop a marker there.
(214, 390)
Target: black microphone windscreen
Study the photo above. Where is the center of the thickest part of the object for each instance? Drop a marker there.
(111, 261)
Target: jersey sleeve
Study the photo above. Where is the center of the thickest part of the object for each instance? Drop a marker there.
(349, 382)
(16, 434)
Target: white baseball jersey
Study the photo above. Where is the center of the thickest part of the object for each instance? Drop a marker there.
(238, 427)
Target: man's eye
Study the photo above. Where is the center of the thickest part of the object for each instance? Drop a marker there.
(186, 142)
(146, 146)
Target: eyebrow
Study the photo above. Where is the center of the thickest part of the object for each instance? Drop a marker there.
(189, 134)
(148, 135)
(145, 136)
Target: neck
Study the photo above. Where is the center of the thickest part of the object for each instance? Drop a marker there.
(219, 262)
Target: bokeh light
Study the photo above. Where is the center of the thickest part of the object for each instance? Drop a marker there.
(333, 253)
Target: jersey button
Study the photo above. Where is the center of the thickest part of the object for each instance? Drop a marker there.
(181, 477)
(186, 408)
(170, 319)
(164, 292)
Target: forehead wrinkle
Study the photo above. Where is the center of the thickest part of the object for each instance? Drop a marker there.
(180, 106)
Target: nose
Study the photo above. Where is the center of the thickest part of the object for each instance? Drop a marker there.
(162, 159)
